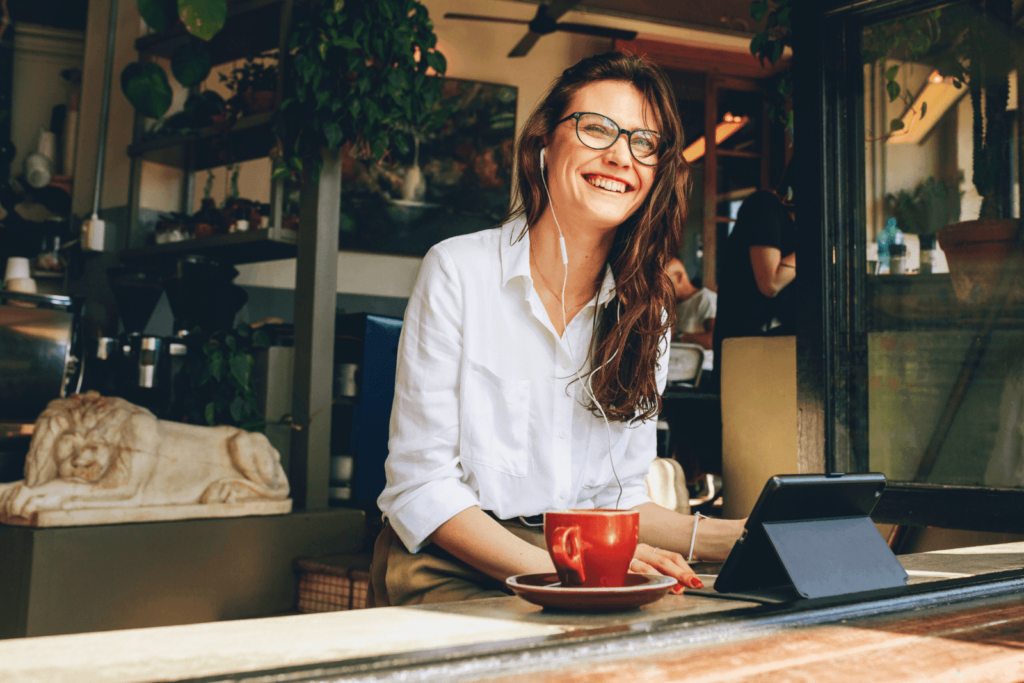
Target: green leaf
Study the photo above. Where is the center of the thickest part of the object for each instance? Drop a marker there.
(147, 88)
(191, 64)
(895, 125)
(758, 9)
(160, 15)
(280, 171)
(230, 342)
(237, 406)
(757, 43)
(924, 109)
(260, 339)
(210, 413)
(893, 88)
(347, 42)
(332, 131)
(890, 73)
(203, 18)
(240, 369)
(243, 331)
(354, 108)
(217, 366)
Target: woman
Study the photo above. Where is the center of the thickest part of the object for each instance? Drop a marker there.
(758, 266)
(497, 417)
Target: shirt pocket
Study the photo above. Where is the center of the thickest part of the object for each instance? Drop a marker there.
(494, 420)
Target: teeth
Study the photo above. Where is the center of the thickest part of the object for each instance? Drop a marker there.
(606, 183)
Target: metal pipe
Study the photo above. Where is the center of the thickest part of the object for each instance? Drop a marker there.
(105, 107)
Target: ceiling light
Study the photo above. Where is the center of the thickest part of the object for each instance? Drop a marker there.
(723, 131)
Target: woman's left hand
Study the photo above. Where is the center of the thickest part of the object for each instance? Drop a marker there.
(649, 560)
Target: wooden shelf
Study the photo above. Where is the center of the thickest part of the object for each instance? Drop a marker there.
(252, 27)
(241, 247)
(250, 137)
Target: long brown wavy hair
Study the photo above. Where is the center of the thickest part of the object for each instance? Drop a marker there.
(629, 336)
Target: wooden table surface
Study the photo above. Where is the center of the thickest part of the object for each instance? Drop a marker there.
(947, 626)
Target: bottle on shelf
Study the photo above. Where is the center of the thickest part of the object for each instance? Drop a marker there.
(889, 235)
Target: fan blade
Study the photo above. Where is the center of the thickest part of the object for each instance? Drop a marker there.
(524, 45)
(476, 17)
(598, 31)
(558, 7)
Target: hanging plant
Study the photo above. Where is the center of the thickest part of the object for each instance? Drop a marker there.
(146, 86)
(363, 72)
(906, 39)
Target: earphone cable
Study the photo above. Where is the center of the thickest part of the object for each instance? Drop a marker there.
(585, 386)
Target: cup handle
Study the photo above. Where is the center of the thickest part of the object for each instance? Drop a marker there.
(567, 551)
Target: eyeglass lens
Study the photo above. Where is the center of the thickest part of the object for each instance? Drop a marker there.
(599, 132)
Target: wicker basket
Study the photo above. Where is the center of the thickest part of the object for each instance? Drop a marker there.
(332, 583)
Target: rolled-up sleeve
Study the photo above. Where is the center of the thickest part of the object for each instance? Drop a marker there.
(424, 476)
(640, 451)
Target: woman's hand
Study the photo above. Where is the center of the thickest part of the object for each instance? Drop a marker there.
(649, 560)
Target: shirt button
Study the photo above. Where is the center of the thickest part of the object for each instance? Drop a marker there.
(562, 434)
(565, 364)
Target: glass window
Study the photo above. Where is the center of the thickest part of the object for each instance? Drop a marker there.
(944, 305)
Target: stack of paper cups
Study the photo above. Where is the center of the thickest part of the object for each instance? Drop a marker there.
(17, 277)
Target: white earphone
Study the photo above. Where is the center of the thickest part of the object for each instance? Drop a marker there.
(587, 386)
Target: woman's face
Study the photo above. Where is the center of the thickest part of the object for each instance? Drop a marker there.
(600, 188)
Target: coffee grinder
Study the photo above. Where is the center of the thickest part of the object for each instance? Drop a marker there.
(145, 373)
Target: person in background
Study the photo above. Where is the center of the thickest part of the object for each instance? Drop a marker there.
(695, 308)
(755, 297)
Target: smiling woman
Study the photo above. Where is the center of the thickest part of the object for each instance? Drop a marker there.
(532, 355)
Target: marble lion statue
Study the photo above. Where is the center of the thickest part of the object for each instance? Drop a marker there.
(92, 451)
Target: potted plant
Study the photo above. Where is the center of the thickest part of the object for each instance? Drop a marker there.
(145, 84)
(363, 75)
(977, 249)
(254, 84)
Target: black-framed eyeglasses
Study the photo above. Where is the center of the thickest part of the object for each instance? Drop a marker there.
(597, 131)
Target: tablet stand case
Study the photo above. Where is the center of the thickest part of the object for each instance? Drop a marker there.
(815, 559)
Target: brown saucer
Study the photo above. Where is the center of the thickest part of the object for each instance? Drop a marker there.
(546, 591)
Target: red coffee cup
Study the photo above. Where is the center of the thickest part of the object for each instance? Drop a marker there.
(592, 548)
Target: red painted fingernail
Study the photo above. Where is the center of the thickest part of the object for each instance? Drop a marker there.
(678, 589)
(696, 583)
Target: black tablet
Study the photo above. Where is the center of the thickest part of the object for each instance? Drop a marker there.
(811, 535)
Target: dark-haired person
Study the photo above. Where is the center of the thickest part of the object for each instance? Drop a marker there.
(755, 297)
(533, 355)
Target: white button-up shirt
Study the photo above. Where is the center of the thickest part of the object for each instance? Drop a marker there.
(486, 411)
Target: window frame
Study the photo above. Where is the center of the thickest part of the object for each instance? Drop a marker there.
(832, 330)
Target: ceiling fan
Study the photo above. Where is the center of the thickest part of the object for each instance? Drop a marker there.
(545, 22)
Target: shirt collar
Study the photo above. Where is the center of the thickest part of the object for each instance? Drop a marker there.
(515, 260)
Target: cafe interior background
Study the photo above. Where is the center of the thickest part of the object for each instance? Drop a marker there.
(194, 225)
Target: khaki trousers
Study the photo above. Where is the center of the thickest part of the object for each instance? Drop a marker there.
(398, 577)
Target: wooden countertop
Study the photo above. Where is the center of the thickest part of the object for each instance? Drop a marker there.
(513, 633)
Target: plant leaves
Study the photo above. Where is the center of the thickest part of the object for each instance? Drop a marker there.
(159, 15)
(210, 414)
(230, 342)
(191, 64)
(147, 88)
(890, 73)
(893, 88)
(237, 406)
(895, 125)
(217, 366)
(260, 339)
(203, 18)
(924, 109)
(758, 9)
(240, 369)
